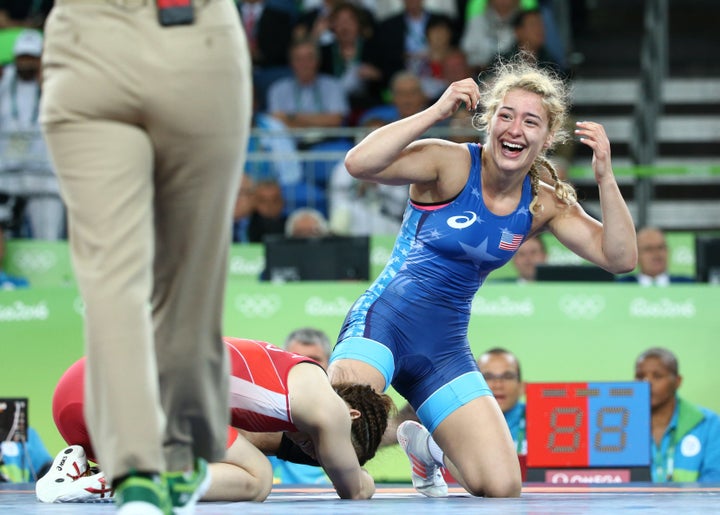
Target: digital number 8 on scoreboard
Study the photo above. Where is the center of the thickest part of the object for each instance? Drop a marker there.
(588, 424)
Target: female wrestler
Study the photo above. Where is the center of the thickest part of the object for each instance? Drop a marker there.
(270, 390)
(470, 208)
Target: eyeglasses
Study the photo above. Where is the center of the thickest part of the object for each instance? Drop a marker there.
(507, 376)
(653, 248)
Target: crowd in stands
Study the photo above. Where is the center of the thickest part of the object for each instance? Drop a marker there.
(360, 64)
(357, 64)
(317, 65)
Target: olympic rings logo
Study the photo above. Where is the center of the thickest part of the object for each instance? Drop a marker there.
(584, 307)
(34, 260)
(258, 306)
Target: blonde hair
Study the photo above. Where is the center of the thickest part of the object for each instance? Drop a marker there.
(522, 72)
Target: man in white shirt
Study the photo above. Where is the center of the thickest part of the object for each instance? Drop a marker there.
(24, 155)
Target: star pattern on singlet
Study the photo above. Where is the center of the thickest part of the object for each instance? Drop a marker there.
(479, 254)
(434, 234)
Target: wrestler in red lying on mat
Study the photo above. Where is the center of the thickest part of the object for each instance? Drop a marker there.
(285, 396)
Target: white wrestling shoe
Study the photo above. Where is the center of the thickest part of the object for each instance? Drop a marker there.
(70, 479)
(427, 477)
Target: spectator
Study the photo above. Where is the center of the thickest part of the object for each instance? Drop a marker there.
(439, 33)
(311, 342)
(315, 344)
(400, 41)
(529, 30)
(308, 98)
(653, 261)
(316, 21)
(408, 98)
(529, 255)
(23, 148)
(23, 462)
(685, 438)
(8, 282)
(553, 41)
(268, 29)
(347, 58)
(306, 222)
(360, 208)
(501, 370)
(489, 33)
(455, 66)
(267, 214)
(272, 138)
(243, 209)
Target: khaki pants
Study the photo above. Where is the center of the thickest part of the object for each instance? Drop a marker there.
(147, 127)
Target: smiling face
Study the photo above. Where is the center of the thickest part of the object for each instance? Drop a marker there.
(518, 131)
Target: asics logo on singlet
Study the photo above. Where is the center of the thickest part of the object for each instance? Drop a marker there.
(462, 221)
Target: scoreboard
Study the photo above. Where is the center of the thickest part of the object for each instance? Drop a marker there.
(588, 427)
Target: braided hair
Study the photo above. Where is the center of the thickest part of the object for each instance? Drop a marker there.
(375, 408)
(563, 190)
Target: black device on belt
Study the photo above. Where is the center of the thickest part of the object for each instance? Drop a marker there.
(175, 12)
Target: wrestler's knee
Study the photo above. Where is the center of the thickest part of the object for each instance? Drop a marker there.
(500, 482)
(263, 482)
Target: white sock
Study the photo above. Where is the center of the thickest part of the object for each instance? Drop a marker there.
(435, 451)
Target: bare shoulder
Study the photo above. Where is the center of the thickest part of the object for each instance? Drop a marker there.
(306, 375)
(451, 162)
(310, 393)
(551, 207)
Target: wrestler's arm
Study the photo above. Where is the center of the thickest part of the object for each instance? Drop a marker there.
(321, 414)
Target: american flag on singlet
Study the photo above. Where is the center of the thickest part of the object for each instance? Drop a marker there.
(510, 241)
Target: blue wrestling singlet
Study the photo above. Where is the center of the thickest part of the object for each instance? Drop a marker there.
(412, 322)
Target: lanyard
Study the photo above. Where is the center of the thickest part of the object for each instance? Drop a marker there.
(664, 462)
(340, 65)
(521, 436)
(317, 97)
